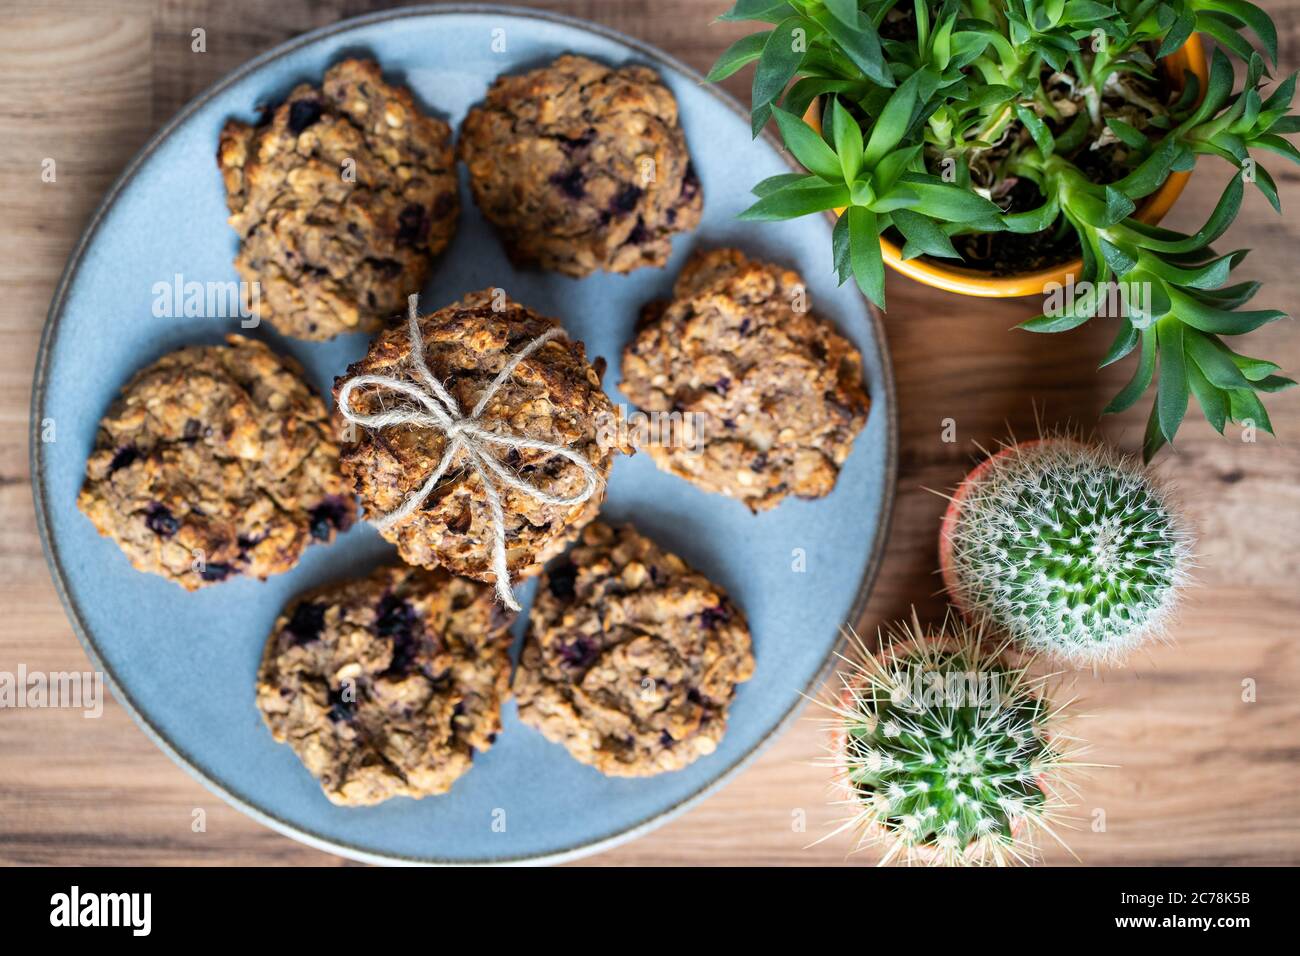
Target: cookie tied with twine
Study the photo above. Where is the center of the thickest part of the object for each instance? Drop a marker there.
(480, 438)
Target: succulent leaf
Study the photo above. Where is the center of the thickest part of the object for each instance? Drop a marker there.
(935, 108)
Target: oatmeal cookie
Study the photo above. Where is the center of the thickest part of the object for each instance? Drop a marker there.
(632, 658)
(553, 396)
(216, 461)
(778, 393)
(386, 686)
(341, 197)
(581, 167)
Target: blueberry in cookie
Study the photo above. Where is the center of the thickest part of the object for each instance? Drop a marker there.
(632, 658)
(553, 396)
(388, 685)
(341, 198)
(777, 393)
(582, 167)
(216, 461)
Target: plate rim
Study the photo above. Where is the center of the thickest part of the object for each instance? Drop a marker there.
(50, 547)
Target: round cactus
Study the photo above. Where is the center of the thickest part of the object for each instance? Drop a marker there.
(946, 751)
(1067, 547)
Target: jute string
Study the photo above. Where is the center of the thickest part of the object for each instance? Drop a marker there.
(432, 406)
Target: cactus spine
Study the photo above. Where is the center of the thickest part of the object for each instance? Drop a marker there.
(948, 754)
(1067, 547)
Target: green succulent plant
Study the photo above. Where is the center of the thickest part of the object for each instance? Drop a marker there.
(934, 111)
(1070, 549)
(949, 754)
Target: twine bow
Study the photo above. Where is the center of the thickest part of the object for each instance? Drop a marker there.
(436, 408)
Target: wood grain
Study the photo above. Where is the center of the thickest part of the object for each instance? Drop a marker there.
(1201, 776)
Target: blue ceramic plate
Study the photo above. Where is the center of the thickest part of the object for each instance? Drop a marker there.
(184, 664)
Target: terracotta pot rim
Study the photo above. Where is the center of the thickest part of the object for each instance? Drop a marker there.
(973, 282)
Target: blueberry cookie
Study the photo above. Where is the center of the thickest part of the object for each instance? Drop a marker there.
(582, 167)
(341, 198)
(216, 461)
(775, 394)
(554, 396)
(388, 685)
(632, 658)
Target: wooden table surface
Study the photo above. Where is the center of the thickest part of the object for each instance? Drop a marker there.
(1202, 776)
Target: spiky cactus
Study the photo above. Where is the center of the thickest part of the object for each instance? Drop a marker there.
(1068, 547)
(947, 753)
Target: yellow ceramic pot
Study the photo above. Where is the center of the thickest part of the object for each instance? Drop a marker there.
(1191, 57)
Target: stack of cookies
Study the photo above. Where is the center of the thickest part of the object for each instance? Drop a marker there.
(218, 462)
